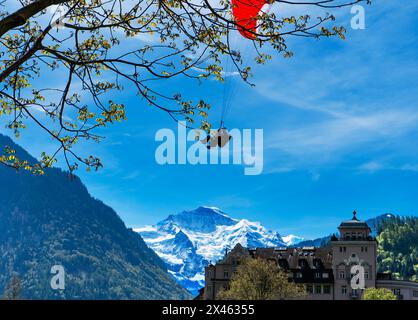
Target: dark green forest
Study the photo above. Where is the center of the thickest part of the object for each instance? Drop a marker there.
(398, 247)
(53, 220)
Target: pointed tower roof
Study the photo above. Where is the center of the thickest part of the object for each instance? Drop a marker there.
(354, 222)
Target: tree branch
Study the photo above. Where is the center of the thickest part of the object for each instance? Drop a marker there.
(20, 17)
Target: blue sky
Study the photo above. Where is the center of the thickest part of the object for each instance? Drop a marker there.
(340, 123)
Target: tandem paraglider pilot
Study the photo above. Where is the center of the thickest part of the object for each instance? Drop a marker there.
(219, 139)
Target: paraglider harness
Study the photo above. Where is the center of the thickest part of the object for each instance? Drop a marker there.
(219, 139)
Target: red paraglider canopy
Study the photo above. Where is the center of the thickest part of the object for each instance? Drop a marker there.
(245, 14)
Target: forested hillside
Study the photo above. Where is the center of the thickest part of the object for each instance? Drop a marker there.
(398, 247)
(52, 220)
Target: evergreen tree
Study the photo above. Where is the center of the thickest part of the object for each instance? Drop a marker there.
(13, 289)
(398, 247)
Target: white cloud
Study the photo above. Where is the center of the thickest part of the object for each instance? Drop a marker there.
(342, 133)
(372, 166)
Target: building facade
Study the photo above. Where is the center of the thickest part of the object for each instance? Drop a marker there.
(326, 273)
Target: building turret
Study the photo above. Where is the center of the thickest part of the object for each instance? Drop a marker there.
(354, 246)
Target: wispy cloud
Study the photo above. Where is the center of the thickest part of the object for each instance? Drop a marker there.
(371, 166)
(343, 134)
(410, 167)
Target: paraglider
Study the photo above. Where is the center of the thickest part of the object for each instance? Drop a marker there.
(219, 139)
(246, 13)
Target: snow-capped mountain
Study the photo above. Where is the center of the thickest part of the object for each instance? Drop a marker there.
(189, 240)
(291, 239)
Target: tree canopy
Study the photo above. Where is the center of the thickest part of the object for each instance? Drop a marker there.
(378, 294)
(84, 43)
(398, 247)
(260, 279)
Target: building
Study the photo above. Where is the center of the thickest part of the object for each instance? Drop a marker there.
(325, 272)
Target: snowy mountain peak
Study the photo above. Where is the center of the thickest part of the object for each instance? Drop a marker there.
(202, 219)
(187, 241)
(291, 239)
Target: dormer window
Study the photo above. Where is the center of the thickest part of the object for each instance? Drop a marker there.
(317, 263)
(303, 263)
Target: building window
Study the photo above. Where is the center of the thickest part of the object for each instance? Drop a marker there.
(309, 289)
(344, 289)
(415, 294)
(362, 249)
(226, 274)
(318, 290)
(325, 275)
(366, 274)
(327, 289)
(342, 274)
(365, 249)
(397, 292)
(299, 275)
(317, 263)
(345, 249)
(317, 275)
(341, 249)
(209, 289)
